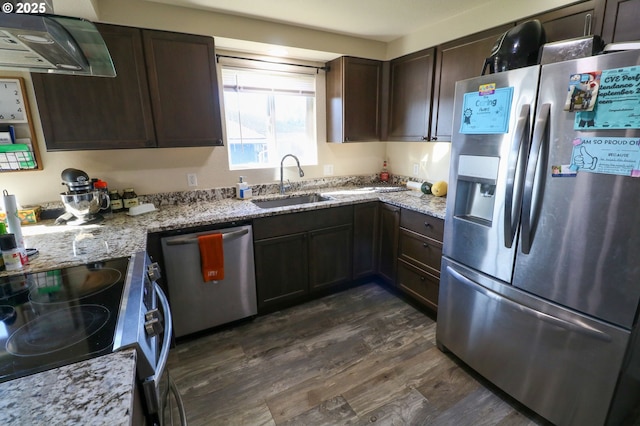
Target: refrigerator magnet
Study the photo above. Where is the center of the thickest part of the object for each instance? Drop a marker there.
(488, 113)
(583, 91)
(563, 170)
(605, 155)
(618, 101)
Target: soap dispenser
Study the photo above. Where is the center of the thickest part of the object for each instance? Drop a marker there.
(243, 191)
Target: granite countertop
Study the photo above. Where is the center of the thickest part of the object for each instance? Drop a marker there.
(98, 391)
(121, 235)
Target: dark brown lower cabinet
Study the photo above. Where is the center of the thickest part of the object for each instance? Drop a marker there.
(329, 257)
(366, 225)
(419, 256)
(281, 269)
(388, 250)
(298, 255)
(420, 285)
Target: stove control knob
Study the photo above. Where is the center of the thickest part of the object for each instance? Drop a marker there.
(153, 314)
(153, 327)
(153, 270)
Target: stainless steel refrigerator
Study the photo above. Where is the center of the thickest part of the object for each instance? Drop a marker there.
(540, 282)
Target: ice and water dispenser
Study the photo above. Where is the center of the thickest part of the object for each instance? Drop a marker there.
(476, 188)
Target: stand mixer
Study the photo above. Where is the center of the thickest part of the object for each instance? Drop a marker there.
(82, 202)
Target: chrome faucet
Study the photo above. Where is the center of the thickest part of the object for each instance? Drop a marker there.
(300, 172)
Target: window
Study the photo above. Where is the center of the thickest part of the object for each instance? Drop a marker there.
(269, 114)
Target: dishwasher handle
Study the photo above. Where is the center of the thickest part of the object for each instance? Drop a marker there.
(194, 240)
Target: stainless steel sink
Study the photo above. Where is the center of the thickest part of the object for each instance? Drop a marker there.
(290, 201)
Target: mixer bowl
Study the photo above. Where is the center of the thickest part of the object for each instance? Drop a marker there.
(83, 205)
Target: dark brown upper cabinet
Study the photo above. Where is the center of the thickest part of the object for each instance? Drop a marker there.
(410, 96)
(165, 94)
(79, 113)
(354, 89)
(620, 21)
(184, 89)
(458, 60)
(569, 22)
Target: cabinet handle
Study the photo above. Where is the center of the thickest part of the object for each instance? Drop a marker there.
(424, 138)
(587, 25)
(425, 245)
(427, 225)
(435, 138)
(422, 278)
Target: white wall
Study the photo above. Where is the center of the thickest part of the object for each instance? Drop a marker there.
(487, 14)
(158, 170)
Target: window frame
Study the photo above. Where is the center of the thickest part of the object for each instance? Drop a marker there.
(318, 100)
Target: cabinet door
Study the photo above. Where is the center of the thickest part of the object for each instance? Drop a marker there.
(81, 113)
(621, 21)
(569, 22)
(281, 271)
(420, 285)
(184, 89)
(420, 251)
(353, 99)
(456, 61)
(411, 84)
(388, 251)
(365, 239)
(330, 260)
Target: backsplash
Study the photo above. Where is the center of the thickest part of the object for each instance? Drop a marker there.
(215, 194)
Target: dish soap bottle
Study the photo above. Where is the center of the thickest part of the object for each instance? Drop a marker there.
(243, 192)
(384, 174)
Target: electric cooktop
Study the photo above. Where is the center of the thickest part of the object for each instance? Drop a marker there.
(54, 318)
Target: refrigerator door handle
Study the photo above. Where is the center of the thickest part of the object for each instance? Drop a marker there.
(515, 175)
(559, 322)
(529, 204)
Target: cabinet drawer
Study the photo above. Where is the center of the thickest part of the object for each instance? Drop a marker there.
(290, 223)
(426, 225)
(418, 284)
(420, 251)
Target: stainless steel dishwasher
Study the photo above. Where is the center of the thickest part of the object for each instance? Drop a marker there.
(198, 305)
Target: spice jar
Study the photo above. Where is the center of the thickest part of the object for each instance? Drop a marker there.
(12, 256)
(116, 201)
(129, 199)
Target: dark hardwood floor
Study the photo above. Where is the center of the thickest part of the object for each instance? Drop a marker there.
(362, 356)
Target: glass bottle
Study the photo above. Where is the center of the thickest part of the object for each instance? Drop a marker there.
(11, 255)
(129, 199)
(102, 186)
(384, 174)
(116, 201)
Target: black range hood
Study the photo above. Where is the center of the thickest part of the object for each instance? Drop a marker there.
(53, 44)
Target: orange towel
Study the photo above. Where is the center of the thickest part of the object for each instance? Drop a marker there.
(211, 257)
